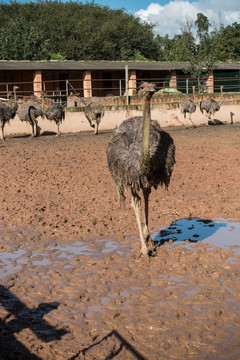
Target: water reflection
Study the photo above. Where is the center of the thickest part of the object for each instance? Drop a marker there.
(219, 233)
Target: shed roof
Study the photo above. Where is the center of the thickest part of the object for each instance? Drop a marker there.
(104, 65)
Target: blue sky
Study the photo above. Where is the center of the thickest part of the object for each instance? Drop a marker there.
(130, 5)
(170, 16)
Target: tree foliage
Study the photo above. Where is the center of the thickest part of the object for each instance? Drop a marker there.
(46, 29)
(75, 31)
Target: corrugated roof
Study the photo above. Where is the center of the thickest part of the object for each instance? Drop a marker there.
(103, 65)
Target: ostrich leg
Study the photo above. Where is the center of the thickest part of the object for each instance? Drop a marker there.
(58, 132)
(191, 119)
(34, 128)
(136, 204)
(2, 132)
(96, 128)
(146, 193)
(146, 233)
(32, 123)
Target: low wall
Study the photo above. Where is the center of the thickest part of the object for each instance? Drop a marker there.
(76, 121)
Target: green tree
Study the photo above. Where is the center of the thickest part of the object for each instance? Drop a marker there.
(198, 54)
(226, 43)
(74, 30)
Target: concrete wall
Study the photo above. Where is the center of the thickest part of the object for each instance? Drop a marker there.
(76, 121)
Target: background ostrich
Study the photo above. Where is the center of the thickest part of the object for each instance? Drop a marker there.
(210, 106)
(55, 113)
(8, 112)
(188, 106)
(141, 155)
(30, 113)
(94, 113)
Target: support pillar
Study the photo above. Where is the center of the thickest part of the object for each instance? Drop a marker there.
(132, 82)
(210, 82)
(87, 84)
(37, 83)
(173, 79)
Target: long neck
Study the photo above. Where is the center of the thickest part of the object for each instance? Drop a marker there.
(145, 157)
(14, 106)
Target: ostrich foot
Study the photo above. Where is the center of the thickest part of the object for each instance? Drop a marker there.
(148, 249)
(151, 247)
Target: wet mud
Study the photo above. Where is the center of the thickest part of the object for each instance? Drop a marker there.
(72, 285)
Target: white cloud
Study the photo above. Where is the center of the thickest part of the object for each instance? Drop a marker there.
(171, 18)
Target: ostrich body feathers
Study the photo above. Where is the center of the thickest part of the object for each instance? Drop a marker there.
(7, 113)
(30, 112)
(210, 105)
(94, 111)
(124, 155)
(55, 113)
(187, 106)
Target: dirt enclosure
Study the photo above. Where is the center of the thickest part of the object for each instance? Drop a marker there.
(72, 283)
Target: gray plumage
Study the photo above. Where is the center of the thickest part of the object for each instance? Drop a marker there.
(94, 113)
(7, 113)
(56, 113)
(30, 113)
(210, 106)
(188, 106)
(131, 169)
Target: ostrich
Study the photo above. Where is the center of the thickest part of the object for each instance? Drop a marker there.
(210, 106)
(30, 113)
(8, 112)
(188, 106)
(141, 156)
(94, 113)
(55, 113)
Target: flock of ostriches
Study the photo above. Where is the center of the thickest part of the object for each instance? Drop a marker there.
(209, 105)
(140, 154)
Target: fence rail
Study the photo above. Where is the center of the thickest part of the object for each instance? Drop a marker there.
(115, 86)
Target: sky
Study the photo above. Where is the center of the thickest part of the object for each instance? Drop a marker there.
(169, 16)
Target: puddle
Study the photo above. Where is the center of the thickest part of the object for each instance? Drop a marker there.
(219, 233)
(68, 251)
(12, 262)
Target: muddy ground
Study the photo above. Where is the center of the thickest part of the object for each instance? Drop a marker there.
(72, 283)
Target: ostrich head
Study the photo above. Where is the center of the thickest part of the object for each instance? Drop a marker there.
(146, 90)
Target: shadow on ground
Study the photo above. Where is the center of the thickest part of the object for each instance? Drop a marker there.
(20, 317)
